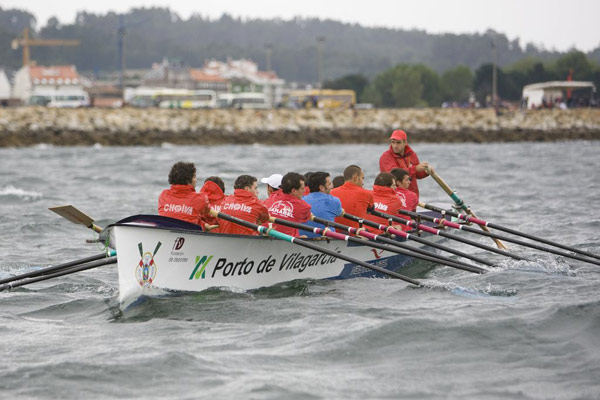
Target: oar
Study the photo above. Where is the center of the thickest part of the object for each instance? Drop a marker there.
(433, 231)
(454, 225)
(478, 221)
(460, 203)
(77, 217)
(394, 248)
(48, 270)
(402, 234)
(65, 271)
(303, 243)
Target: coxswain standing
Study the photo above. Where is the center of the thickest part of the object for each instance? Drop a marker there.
(181, 200)
(400, 155)
(243, 204)
(355, 199)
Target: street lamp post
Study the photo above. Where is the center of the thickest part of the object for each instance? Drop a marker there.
(269, 50)
(320, 41)
(494, 75)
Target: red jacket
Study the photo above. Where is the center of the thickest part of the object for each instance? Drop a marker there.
(387, 202)
(215, 197)
(408, 199)
(182, 202)
(288, 207)
(243, 205)
(390, 160)
(355, 200)
(214, 193)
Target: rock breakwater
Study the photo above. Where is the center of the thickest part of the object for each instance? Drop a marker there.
(28, 126)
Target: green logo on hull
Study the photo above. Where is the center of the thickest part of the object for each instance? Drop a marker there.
(200, 268)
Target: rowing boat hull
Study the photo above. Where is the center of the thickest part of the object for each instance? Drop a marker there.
(154, 259)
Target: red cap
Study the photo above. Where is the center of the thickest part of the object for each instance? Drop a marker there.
(398, 135)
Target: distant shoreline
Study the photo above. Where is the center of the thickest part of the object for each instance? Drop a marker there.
(29, 126)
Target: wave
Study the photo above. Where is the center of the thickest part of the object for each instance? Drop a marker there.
(486, 289)
(555, 266)
(13, 192)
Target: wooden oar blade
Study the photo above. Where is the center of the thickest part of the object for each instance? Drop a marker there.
(73, 214)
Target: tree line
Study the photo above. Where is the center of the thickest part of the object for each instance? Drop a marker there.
(150, 34)
(417, 85)
(388, 67)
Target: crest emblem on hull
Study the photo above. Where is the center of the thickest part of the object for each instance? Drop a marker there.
(145, 271)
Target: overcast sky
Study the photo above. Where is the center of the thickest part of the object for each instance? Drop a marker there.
(552, 24)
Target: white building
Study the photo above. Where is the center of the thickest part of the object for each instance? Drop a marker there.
(536, 94)
(34, 81)
(4, 86)
(245, 77)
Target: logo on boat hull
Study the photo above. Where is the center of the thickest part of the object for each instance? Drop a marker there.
(178, 243)
(200, 268)
(145, 271)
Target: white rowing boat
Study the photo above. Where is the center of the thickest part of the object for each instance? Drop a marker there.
(158, 255)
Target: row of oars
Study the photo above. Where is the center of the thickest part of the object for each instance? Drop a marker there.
(361, 236)
(109, 257)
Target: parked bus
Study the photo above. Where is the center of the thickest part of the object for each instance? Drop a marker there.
(68, 98)
(325, 98)
(171, 98)
(245, 100)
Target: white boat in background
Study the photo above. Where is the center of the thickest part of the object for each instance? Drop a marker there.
(157, 255)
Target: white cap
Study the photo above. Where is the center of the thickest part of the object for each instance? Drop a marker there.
(274, 180)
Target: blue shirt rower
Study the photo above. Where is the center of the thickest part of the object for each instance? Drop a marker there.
(323, 204)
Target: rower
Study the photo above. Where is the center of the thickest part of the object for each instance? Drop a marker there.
(322, 203)
(338, 181)
(245, 205)
(407, 197)
(386, 200)
(273, 183)
(214, 189)
(287, 203)
(355, 199)
(181, 200)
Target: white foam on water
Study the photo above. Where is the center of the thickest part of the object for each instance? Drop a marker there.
(556, 266)
(21, 193)
(43, 146)
(485, 290)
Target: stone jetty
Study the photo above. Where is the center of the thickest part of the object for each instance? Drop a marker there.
(26, 126)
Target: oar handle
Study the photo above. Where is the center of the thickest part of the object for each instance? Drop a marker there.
(441, 182)
(64, 271)
(507, 230)
(461, 204)
(448, 235)
(54, 268)
(503, 237)
(418, 239)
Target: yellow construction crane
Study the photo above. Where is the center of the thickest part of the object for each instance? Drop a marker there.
(25, 42)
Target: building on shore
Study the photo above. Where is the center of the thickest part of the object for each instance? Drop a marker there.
(58, 86)
(232, 76)
(5, 89)
(245, 76)
(203, 81)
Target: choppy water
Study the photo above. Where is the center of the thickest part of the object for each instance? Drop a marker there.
(526, 330)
